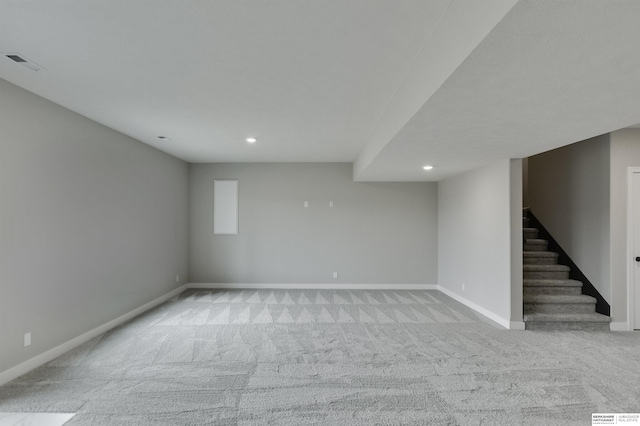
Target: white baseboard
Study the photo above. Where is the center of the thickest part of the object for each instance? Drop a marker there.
(51, 354)
(316, 286)
(493, 317)
(620, 326)
(516, 325)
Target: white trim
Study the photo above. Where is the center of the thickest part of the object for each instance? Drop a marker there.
(51, 354)
(620, 326)
(516, 325)
(315, 286)
(630, 249)
(492, 316)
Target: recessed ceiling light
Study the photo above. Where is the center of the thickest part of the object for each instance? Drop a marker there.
(428, 167)
(251, 140)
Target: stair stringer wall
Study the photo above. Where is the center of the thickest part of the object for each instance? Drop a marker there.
(568, 190)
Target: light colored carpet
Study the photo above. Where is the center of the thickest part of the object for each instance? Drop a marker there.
(332, 358)
(34, 419)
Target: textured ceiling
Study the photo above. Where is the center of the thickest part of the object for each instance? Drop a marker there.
(391, 85)
(551, 73)
(308, 79)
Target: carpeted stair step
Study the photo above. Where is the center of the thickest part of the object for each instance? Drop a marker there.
(530, 233)
(539, 258)
(545, 272)
(535, 244)
(551, 300)
(538, 286)
(566, 291)
(559, 304)
(585, 321)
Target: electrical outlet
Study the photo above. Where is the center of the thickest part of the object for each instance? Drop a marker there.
(330, 203)
(27, 339)
(306, 204)
(177, 278)
(335, 275)
(462, 286)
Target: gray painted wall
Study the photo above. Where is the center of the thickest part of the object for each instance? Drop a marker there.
(375, 233)
(475, 236)
(93, 224)
(625, 152)
(569, 193)
(516, 200)
(525, 182)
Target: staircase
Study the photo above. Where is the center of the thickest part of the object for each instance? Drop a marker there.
(552, 301)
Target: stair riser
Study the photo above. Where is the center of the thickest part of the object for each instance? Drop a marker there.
(569, 291)
(545, 275)
(530, 234)
(535, 246)
(544, 283)
(525, 222)
(566, 326)
(539, 260)
(559, 308)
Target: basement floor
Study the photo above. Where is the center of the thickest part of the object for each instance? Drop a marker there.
(249, 357)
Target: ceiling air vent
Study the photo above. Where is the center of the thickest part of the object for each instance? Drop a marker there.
(16, 58)
(20, 59)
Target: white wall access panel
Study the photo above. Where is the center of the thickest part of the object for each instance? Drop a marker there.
(225, 207)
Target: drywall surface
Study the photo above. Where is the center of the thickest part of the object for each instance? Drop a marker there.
(569, 194)
(93, 224)
(474, 237)
(517, 187)
(625, 152)
(525, 182)
(383, 233)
